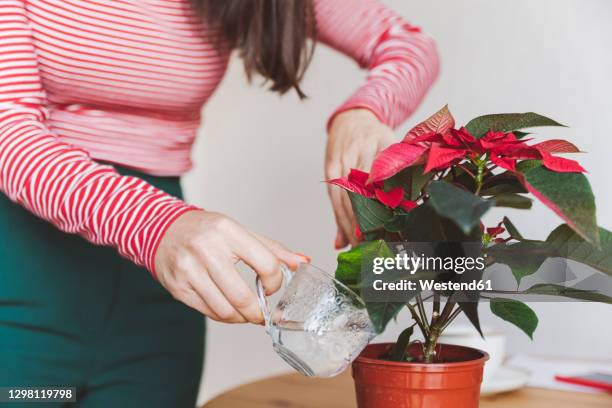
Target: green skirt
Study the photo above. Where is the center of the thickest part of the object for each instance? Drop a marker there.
(79, 315)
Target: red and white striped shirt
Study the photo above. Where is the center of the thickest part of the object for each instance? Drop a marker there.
(123, 82)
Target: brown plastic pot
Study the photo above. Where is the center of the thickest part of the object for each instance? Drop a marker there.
(454, 383)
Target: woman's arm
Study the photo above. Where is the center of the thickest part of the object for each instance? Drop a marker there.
(191, 252)
(402, 64)
(57, 181)
(401, 60)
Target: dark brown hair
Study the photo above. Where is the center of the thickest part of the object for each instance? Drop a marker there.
(272, 36)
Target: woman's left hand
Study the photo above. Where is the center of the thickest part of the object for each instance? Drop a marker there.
(355, 136)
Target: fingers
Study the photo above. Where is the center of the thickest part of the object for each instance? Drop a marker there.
(355, 137)
(350, 220)
(366, 157)
(341, 240)
(196, 273)
(194, 291)
(193, 300)
(215, 299)
(196, 264)
(289, 258)
(343, 220)
(235, 290)
(255, 254)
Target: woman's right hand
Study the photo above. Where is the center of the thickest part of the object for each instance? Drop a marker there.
(196, 261)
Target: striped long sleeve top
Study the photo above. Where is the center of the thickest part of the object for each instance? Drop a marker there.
(85, 84)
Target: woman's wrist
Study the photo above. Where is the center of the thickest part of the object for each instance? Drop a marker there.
(351, 117)
(350, 114)
(164, 225)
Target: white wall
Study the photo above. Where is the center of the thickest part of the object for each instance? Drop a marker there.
(260, 157)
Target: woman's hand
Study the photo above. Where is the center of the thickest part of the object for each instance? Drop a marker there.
(196, 260)
(355, 136)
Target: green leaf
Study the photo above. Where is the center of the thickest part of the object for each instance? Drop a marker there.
(381, 313)
(470, 309)
(524, 258)
(506, 182)
(371, 215)
(423, 224)
(419, 225)
(349, 272)
(525, 165)
(462, 207)
(558, 290)
(512, 200)
(503, 188)
(350, 262)
(401, 179)
(419, 180)
(398, 353)
(570, 245)
(458, 176)
(507, 122)
(512, 230)
(517, 313)
(411, 179)
(519, 134)
(569, 195)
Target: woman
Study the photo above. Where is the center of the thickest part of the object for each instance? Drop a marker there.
(99, 105)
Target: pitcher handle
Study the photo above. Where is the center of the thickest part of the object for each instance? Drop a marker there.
(263, 299)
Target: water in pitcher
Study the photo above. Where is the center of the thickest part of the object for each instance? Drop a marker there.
(324, 352)
(319, 325)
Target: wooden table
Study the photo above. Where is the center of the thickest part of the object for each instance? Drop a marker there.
(296, 391)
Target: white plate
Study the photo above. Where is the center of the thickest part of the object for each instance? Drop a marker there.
(505, 379)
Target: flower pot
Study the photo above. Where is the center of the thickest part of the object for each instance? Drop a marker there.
(453, 383)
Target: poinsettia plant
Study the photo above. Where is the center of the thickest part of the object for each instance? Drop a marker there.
(437, 184)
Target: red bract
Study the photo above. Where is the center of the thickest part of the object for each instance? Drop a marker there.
(442, 150)
(459, 138)
(441, 157)
(496, 140)
(394, 159)
(503, 162)
(358, 234)
(495, 231)
(391, 198)
(505, 150)
(439, 146)
(557, 146)
(408, 205)
(412, 150)
(356, 182)
(437, 123)
(560, 164)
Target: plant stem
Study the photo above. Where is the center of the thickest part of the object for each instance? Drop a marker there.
(431, 340)
(448, 308)
(435, 310)
(417, 319)
(452, 317)
(429, 352)
(422, 313)
(480, 176)
(462, 167)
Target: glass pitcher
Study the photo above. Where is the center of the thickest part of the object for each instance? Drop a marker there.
(319, 326)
